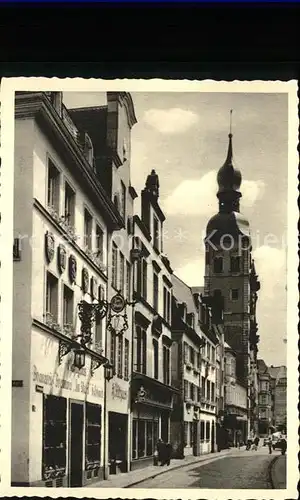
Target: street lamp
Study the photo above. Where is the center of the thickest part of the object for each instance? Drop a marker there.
(79, 358)
(108, 371)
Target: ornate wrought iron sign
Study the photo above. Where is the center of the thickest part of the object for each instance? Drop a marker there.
(49, 246)
(62, 258)
(72, 268)
(85, 280)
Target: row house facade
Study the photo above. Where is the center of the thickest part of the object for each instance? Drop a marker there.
(265, 400)
(63, 223)
(272, 399)
(109, 128)
(194, 372)
(151, 392)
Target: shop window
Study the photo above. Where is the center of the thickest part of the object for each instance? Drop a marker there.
(93, 435)
(120, 357)
(207, 431)
(155, 291)
(166, 365)
(202, 430)
(122, 273)
(141, 438)
(186, 437)
(88, 224)
(140, 350)
(134, 438)
(69, 215)
(155, 359)
(53, 187)
(54, 434)
(218, 265)
(144, 438)
(68, 306)
(99, 242)
(51, 298)
(126, 359)
(114, 275)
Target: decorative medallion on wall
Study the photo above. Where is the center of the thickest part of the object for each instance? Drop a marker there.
(72, 268)
(85, 280)
(93, 287)
(62, 258)
(49, 246)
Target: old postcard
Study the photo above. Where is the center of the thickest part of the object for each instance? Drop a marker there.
(149, 289)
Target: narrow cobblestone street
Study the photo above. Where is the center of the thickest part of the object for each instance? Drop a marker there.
(249, 470)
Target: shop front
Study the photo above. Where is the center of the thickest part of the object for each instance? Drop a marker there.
(118, 426)
(65, 416)
(152, 403)
(235, 423)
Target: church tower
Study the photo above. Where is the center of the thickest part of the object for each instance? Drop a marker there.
(228, 263)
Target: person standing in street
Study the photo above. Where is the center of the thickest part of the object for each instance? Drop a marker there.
(270, 444)
(255, 443)
(160, 451)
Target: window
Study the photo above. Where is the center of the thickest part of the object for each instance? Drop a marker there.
(155, 359)
(53, 187)
(191, 433)
(120, 357)
(99, 242)
(51, 298)
(88, 222)
(142, 278)
(55, 433)
(213, 354)
(128, 280)
(166, 365)
(186, 352)
(68, 306)
(167, 305)
(234, 294)
(123, 199)
(235, 264)
(192, 392)
(198, 360)
(192, 355)
(144, 437)
(122, 273)
(202, 430)
(186, 389)
(93, 433)
(140, 350)
(208, 350)
(212, 392)
(264, 385)
(69, 214)
(203, 386)
(126, 360)
(114, 276)
(263, 399)
(155, 233)
(155, 291)
(207, 431)
(218, 265)
(113, 341)
(208, 390)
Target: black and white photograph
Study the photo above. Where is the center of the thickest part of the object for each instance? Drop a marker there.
(154, 287)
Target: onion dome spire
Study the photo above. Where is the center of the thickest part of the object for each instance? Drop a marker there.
(229, 180)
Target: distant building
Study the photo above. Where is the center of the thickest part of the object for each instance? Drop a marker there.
(265, 400)
(278, 382)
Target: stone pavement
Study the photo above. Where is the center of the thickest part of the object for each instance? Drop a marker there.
(134, 477)
(278, 473)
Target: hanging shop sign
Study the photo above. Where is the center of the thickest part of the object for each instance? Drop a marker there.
(117, 303)
(49, 246)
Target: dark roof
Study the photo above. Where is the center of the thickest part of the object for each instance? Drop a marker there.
(232, 223)
(183, 293)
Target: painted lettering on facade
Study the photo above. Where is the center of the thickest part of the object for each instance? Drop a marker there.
(118, 393)
(53, 380)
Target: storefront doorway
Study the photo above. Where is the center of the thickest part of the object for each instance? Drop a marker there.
(76, 443)
(117, 442)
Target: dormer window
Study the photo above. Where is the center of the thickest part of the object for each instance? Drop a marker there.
(218, 265)
(191, 320)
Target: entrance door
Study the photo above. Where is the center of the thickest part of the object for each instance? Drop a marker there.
(213, 437)
(117, 444)
(76, 444)
(195, 439)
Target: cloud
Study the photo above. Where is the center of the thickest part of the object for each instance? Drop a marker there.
(198, 197)
(192, 273)
(270, 265)
(170, 121)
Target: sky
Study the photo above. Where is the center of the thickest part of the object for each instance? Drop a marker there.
(184, 137)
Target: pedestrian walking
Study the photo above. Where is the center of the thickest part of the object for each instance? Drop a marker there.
(255, 443)
(168, 453)
(270, 444)
(160, 451)
(249, 443)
